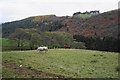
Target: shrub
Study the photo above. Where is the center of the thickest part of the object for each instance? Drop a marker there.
(118, 68)
(78, 45)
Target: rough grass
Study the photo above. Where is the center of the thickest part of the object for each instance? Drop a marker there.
(85, 16)
(66, 62)
(8, 44)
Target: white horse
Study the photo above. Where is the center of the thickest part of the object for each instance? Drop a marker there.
(42, 49)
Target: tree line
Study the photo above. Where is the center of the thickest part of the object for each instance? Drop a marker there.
(99, 43)
(32, 38)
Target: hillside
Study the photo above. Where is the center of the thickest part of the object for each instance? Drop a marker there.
(102, 25)
(41, 23)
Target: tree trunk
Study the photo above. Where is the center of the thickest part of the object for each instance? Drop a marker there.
(22, 44)
(18, 43)
(31, 46)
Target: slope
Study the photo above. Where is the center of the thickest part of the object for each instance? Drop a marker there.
(102, 25)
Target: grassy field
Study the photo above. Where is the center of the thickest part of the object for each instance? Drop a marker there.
(86, 16)
(8, 44)
(60, 62)
(83, 16)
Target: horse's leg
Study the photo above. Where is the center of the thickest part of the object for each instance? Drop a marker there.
(46, 50)
(42, 51)
(37, 50)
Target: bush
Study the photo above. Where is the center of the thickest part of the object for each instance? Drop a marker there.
(118, 68)
(78, 45)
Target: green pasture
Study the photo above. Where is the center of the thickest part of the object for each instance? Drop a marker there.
(74, 63)
(9, 44)
(85, 16)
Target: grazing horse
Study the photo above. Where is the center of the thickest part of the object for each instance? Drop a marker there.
(42, 49)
